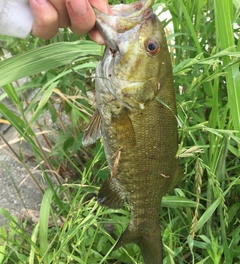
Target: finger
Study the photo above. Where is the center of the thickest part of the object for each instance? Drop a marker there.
(101, 5)
(63, 16)
(81, 15)
(45, 24)
(96, 36)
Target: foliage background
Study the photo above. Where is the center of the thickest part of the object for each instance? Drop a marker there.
(200, 218)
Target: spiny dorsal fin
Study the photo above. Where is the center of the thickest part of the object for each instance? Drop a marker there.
(111, 194)
(93, 131)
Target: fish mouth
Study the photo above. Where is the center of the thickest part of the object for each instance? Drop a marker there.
(124, 18)
(123, 32)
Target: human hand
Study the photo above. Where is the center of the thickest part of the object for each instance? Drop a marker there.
(78, 15)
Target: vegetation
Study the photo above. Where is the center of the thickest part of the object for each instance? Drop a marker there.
(200, 218)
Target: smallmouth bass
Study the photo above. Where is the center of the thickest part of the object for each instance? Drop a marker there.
(136, 117)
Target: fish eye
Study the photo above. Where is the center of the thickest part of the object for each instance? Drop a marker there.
(152, 46)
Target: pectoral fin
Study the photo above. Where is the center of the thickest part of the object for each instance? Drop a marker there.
(111, 194)
(93, 131)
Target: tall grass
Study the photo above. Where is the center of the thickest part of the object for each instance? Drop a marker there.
(200, 218)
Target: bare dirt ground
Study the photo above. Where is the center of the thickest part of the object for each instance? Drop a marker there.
(17, 190)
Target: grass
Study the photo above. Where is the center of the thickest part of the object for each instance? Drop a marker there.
(200, 218)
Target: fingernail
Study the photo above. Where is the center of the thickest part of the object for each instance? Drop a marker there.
(41, 2)
(79, 7)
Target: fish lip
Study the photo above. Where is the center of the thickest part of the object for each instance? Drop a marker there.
(117, 30)
(111, 26)
(106, 29)
(132, 10)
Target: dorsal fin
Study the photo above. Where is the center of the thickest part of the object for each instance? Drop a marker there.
(93, 131)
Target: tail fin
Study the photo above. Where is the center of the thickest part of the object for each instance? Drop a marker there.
(150, 244)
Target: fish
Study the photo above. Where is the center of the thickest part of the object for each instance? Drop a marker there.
(136, 118)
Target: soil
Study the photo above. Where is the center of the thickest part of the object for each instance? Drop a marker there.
(17, 190)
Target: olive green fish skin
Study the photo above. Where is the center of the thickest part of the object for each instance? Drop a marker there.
(139, 132)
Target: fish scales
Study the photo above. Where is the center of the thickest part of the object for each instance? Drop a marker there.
(136, 117)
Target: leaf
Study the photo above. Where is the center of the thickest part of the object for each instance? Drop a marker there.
(3, 243)
(23, 129)
(178, 201)
(43, 225)
(225, 39)
(45, 58)
(68, 143)
(34, 240)
(43, 101)
(208, 214)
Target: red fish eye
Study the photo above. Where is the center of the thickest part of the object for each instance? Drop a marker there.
(152, 46)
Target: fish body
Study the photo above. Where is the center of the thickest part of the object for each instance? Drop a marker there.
(136, 117)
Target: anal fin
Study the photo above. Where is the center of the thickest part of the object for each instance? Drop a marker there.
(94, 130)
(127, 237)
(111, 194)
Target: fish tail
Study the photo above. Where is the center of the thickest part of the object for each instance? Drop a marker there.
(150, 244)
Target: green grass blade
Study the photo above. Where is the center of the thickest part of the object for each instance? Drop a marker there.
(43, 101)
(225, 38)
(3, 243)
(208, 214)
(190, 25)
(43, 225)
(178, 201)
(45, 58)
(23, 129)
(34, 240)
(12, 94)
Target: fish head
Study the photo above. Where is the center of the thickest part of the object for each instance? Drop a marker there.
(136, 52)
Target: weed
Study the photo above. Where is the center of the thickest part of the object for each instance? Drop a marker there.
(200, 218)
